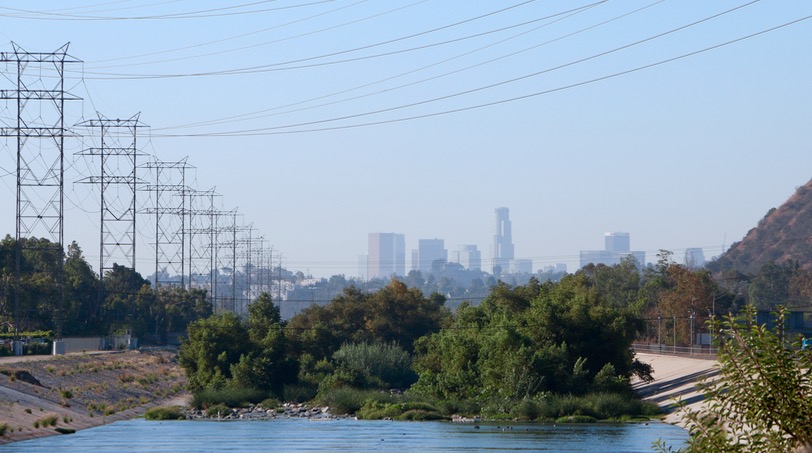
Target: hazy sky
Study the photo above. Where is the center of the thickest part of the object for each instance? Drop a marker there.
(323, 121)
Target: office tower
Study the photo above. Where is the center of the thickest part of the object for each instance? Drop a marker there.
(617, 242)
(502, 250)
(387, 255)
(469, 257)
(430, 251)
(694, 258)
(616, 247)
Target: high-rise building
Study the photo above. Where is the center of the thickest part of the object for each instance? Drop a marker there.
(617, 242)
(502, 249)
(468, 256)
(362, 267)
(694, 258)
(430, 251)
(521, 266)
(616, 247)
(387, 255)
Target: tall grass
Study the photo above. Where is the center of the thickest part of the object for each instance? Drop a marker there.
(601, 406)
(228, 396)
(164, 413)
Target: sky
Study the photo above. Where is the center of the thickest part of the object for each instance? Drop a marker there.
(680, 122)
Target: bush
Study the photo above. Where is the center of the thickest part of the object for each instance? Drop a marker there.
(269, 403)
(349, 400)
(421, 415)
(376, 365)
(464, 407)
(3, 429)
(218, 410)
(298, 393)
(229, 396)
(527, 409)
(164, 413)
(576, 419)
(597, 405)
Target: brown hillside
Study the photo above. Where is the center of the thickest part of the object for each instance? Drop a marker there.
(784, 234)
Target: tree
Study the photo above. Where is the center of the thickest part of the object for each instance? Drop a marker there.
(81, 298)
(213, 346)
(762, 400)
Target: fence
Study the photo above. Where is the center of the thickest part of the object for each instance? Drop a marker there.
(696, 351)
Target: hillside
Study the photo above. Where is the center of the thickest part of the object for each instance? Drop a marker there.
(784, 234)
(39, 394)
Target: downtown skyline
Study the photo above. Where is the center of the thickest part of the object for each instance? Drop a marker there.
(689, 152)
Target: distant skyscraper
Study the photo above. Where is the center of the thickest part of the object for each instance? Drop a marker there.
(616, 247)
(502, 250)
(617, 242)
(469, 257)
(521, 266)
(429, 251)
(362, 267)
(694, 258)
(387, 255)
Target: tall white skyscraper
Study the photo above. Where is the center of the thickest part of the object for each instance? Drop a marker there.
(502, 249)
(387, 255)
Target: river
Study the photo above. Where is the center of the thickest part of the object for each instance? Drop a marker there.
(302, 435)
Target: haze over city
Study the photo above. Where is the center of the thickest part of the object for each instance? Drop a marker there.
(681, 123)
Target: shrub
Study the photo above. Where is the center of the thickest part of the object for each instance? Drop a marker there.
(376, 365)
(348, 400)
(299, 393)
(67, 394)
(464, 407)
(576, 419)
(3, 429)
(527, 409)
(217, 410)
(229, 396)
(164, 413)
(421, 415)
(269, 403)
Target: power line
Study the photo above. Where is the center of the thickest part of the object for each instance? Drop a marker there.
(277, 129)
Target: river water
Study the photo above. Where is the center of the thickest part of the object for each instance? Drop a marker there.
(302, 435)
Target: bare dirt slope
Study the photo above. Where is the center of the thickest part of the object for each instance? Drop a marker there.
(39, 395)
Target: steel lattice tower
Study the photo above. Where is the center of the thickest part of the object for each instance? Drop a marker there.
(201, 247)
(118, 181)
(37, 85)
(170, 192)
(225, 264)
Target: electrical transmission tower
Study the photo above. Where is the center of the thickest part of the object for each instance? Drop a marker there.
(37, 86)
(118, 153)
(169, 192)
(201, 245)
(223, 263)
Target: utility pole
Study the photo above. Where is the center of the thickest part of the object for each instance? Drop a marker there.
(38, 90)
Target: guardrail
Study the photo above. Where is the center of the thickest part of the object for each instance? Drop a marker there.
(696, 351)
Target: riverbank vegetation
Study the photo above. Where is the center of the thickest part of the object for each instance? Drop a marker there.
(539, 351)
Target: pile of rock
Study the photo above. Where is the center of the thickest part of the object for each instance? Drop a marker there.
(256, 412)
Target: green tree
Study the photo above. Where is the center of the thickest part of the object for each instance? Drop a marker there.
(214, 344)
(762, 400)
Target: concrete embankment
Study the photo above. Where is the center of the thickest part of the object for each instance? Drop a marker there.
(39, 395)
(675, 379)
